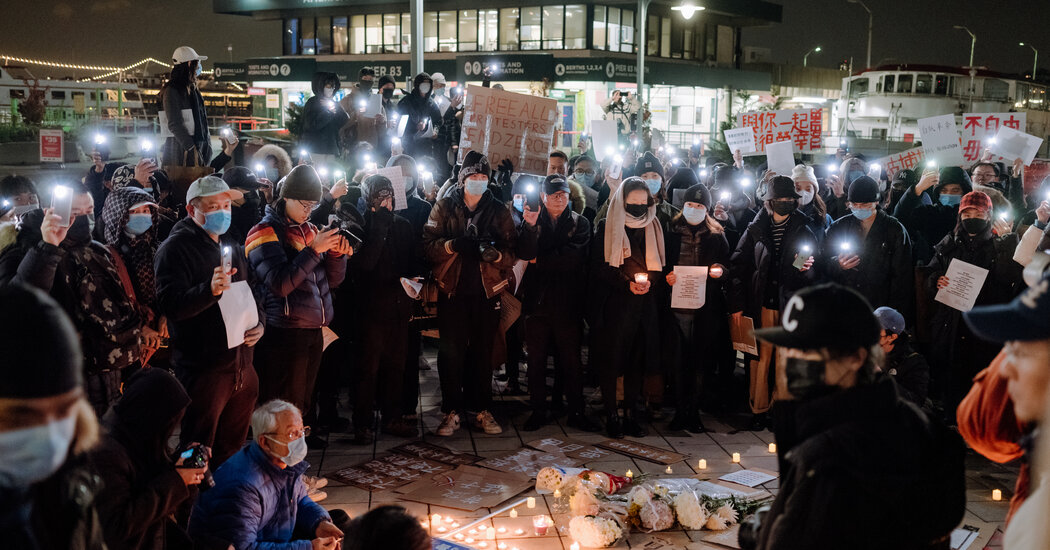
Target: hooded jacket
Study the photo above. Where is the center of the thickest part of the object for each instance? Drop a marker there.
(448, 220)
(322, 118)
(419, 108)
(753, 268)
(927, 224)
(184, 265)
(296, 282)
(284, 162)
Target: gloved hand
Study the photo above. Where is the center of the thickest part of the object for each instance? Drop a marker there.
(467, 246)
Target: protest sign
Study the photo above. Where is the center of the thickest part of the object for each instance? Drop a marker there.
(743, 335)
(528, 461)
(642, 451)
(1034, 173)
(571, 448)
(780, 157)
(388, 472)
(740, 139)
(430, 451)
(940, 140)
(690, 287)
(508, 125)
(964, 284)
(803, 127)
(604, 136)
(466, 488)
(905, 160)
(1011, 144)
(978, 127)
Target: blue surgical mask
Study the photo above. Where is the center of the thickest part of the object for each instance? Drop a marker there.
(694, 216)
(33, 454)
(476, 187)
(200, 69)
(296, 451)
(950, 200)
(862, 213)
(585, 179)
(139, 223)
(519, 204)
(654, 185)
(218, 222)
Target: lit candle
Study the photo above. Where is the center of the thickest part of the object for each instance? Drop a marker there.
(472, 532)
(574, 546)
(641, 278)
(502, 546)
(530, 503)
(469, 540)
(715, 271)
(441, 530)
(541, 524)
(490, 533)
(557, 493)
(702, 465)
(459, 536)
(513, 512)
(773, 447)
(519, 532)
(629, 474)
(455, 524)
(436, 518)
(668, 470)
(483, 544)
(997, 494)
(449, 520)
(501, 530)
(736, 458)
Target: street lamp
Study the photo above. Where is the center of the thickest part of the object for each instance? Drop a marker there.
(1035, 60)
(688, 9)
(973, 40)
(869, 27)
(805, 57)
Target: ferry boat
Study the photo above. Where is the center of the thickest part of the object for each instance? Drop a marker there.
(69, 102)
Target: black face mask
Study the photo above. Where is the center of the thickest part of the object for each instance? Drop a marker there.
(974, 226)
(388, 93)
(805, 378)
(365, 85)
(636, 210)
(79, 233)
(252, 200)
(784, 208)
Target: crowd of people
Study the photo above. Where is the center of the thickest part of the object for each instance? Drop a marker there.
(239, 308)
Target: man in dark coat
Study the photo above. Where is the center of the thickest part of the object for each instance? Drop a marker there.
(323, 116)
(856, 460)
(928, 223)
(424, 118)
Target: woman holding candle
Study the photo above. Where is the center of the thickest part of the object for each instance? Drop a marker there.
(696, 239)
(627, 263)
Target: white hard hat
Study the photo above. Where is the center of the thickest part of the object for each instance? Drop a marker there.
(185, 53)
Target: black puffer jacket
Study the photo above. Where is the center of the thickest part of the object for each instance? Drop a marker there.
(553, 285)
(857, 466)
(753, 269)
(927, 224)
(390, 250)
(419, 108)
(884, 275)
(322, 118)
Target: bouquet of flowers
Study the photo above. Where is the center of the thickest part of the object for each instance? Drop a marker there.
(594, 531)
(649, 510)
(553, 478)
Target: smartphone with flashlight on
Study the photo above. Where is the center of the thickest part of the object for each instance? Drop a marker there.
(803, 254)
(228, 136)
(62, 204)
(616, 170)
(227, 259)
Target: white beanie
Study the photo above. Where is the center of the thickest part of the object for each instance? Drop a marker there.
(438, 78)
(801, 172)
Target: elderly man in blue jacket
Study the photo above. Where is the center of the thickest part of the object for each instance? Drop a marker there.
(259, 500)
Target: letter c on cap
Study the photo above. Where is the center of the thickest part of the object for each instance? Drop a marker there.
(794, 303)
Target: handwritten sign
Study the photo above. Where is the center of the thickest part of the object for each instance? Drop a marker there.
(642, 451)
(571, 448)
(1011, 144)
(466, 488)
(964, 284)
(940, 140)
(978, 127)
(740, 139)
(803, 127)
(508, 125)
(430, 451)
(528, 462)
(905, 160)
(389, 472)
(690, 287)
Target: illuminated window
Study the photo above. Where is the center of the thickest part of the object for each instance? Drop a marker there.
(468, 30)
(599, 28)
(324, 36)
(447, 40)
(531, 23)
(309, 37)
(508, 29)
(339, 35)
(430, 31)
(374, 32)
(488, 30)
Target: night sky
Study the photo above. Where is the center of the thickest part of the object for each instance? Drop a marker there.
(120, 32)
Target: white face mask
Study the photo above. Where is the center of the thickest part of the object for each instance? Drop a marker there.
(33, 454)
(296, 451)
(694, 216)
(807, 197)
(328, 92)
(424, 88)
(476, 187)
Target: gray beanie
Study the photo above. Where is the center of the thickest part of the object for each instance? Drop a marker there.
(302, 184)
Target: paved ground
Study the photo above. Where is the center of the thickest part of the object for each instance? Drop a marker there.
(716, 447)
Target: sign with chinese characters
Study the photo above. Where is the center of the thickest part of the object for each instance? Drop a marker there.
(802, 127)
(910, 159)
(978, 128)
(642, 451)
(507, 125)
(940, 140)
(388, 472)
(466, 488)
(430, 451)
(528, 462)
(571, 448)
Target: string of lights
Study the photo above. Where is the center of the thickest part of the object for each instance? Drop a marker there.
(59, 65)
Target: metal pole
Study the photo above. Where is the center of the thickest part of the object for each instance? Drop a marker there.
(643, 6)
(416, 15)
(870, 22)
(1035, 63)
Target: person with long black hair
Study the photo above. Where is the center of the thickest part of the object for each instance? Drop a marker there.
(189, 138)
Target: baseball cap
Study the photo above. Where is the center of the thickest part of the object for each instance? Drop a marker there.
(890, 319)
(825, 316)
(1026, 318)
(555, 183)
(209, 186)
(185, 53)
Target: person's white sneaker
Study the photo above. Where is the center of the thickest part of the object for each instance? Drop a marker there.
(449, 424)
(317, 495)
(484, 421)
(315, 482)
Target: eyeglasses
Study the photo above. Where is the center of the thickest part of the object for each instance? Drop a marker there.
(308, 205)
(295, 434)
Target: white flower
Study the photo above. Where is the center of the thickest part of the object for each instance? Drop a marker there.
(583, 502)
(691, 514)
(549, 479)
(727, 513)
(716, 523)
(656, 515)
(595, 532)
(638, 496)
(660, 491)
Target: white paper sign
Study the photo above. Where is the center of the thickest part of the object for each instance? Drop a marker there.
(1011, 144)
(604, 137)
(411, 287)
(187, 121)
(402, 125)
(742, 139)
(940, 140)
(397, 179)
(690, 287)
(375, 103)
(780, 157)
(442, 103)
(748, 478)
(273, 101)
(239, 312)
(964, 284)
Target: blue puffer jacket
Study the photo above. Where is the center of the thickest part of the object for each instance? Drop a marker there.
(256, 505)
(296, 281)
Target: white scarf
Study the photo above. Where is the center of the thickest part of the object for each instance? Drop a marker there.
(618, 246)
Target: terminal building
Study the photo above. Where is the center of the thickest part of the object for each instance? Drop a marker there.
(577, 53)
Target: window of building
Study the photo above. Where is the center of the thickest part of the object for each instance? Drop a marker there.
(553, 27)
(59, 95)
(374, 33)
(940, 85)
(575, 27)
(430, 31)
(652, 38)
(904, 84)
(531, 27)
(291, 37)
(324, 36)
(682, 115)
(468, 30)
(357, 34)
(488, 30)
(392, 33)
(665, 37)
(627, 31)
(406, 33)
(339, 35)
(599, 28)
(447, 38)
(687, 44)
(923, 83)
(699, 119)
(309, 46)
(996, 89)
(613, 30)
(18, 94)
(508, 29)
